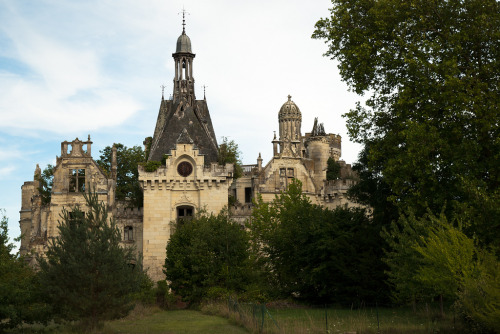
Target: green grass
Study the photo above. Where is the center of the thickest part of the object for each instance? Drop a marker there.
(151, 322)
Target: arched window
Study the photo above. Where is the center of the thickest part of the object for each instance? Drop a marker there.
(128, 233)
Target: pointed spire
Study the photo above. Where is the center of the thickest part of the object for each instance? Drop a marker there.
(184, 20)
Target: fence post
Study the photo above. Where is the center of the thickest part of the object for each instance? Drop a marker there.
(326, 319)
(263, 315)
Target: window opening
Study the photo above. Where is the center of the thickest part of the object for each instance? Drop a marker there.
(248, 195)
(184, 213)
(77, 180)
(128, 233)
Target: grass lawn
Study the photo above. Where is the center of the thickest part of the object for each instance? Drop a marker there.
(337, 320)
(149, 322)
(182, 321)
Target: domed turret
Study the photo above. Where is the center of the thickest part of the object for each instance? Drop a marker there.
(290, 121)
(183, 43)
(289, 110)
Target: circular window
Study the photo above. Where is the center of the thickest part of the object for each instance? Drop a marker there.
(184, 168)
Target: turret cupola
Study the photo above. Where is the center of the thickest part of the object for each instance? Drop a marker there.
(184, 80)
(290, 120)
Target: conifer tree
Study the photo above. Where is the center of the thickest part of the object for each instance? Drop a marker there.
(86, 273)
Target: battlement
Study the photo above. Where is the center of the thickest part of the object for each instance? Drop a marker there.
(123, 211)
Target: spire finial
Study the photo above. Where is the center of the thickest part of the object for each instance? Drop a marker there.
(162, 91)
(289, 97)
(204, 95)
(184, 12)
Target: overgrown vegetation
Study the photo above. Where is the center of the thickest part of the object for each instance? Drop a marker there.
(20, 300)
(127, 174)
(229, 153)
(86, 274)
(332, 169)
(208, 257)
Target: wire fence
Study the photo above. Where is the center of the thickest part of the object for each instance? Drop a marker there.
(358, 318)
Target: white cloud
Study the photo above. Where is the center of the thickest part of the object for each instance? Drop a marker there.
(6, 171)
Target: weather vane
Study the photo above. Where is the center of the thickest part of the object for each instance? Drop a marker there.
(184, 12)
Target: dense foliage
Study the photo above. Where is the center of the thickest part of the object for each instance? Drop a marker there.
(208, 256)
(431, 130)
(432, 121)
(229, 153)
(20, 300)
(87, 274)
(127, 178)
(316, 254)
(332, 169)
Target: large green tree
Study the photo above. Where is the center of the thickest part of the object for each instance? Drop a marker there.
(316, 254)
(206, 256)
(431, 120)
(127, 176)
(86, 273)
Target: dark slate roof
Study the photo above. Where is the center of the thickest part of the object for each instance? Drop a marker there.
(173, 119)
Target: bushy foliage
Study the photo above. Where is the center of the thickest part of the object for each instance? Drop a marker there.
(479, 297)
(46, 179)
(229, 153)
(86, 273)
(332, 169)
(127, 178)
(315, 254)
(207, 252)
(20, 298)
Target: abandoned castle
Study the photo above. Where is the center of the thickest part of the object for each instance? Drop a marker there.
(190, 179)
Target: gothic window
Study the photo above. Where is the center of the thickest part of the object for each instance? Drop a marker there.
(128, 233)
(77, 180)
(184, 213)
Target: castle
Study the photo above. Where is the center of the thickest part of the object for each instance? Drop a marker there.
(191, 177)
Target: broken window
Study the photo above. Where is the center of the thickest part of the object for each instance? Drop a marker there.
(128, 233)
(286, 177)
(184, 213)
(77, 180)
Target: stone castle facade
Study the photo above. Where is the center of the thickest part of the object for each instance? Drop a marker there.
(191, 178)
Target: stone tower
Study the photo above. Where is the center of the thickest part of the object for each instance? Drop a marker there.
(183, 111)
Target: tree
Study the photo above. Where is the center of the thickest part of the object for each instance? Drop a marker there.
(432, 121)
(332, 169)
(316, 254)
(127, 176)
(46, 179)
(20, 300)
(208, 254)
(87, 274)
(229, 153)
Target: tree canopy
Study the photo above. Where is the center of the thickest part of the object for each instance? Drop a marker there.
(432, 120)
(127, 178)
(230, 153)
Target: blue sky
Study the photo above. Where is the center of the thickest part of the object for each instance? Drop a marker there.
(73, 68)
